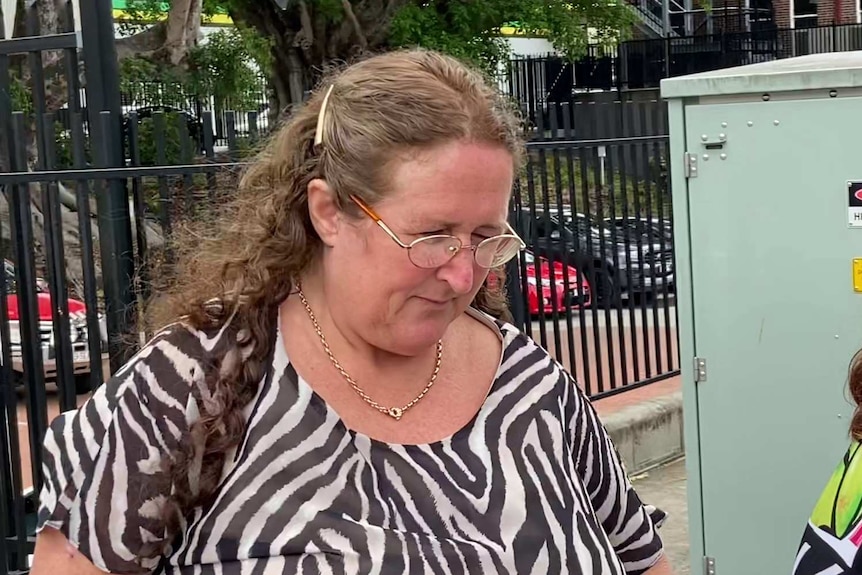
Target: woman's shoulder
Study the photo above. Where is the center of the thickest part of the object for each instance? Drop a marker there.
(169, 367)
(521, 354)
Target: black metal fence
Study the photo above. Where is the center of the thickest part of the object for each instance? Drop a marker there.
(640, 64)
(89, 196)
(597, 282)
(56, 354)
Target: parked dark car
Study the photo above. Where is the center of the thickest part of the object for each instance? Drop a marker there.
(617, 260)
(194, 125)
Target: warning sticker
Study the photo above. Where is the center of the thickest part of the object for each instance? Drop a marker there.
(854, 206)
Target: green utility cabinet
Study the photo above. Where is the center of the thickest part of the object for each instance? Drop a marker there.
(766, 163)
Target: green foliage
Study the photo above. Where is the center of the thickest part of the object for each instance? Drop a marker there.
(466, 30)
(140, 14)
(170, 140)
(566, 178)
(22, 98)
(227, 67)
(471, 29)
(64, 158)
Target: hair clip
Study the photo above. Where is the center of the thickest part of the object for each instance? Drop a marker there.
(318, 133)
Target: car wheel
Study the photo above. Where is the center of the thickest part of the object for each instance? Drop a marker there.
(606, 290)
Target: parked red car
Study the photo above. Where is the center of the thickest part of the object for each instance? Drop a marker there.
(78, 329)
(579, 293)
(579, 290)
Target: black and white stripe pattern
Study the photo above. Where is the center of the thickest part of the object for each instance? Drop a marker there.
(532, 485)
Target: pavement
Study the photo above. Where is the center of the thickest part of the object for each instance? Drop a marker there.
(665, 487)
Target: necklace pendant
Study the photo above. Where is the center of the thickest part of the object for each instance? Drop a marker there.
(395, 413)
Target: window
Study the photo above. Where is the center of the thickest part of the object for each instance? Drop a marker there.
(804, 13)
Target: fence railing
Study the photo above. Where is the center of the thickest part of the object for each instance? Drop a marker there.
(639, 64)
(146, 98)
(53, 355)
(598, 213)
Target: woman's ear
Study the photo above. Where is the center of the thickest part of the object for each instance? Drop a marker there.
(323, 210)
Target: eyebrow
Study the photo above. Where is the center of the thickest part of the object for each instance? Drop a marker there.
(499, 228)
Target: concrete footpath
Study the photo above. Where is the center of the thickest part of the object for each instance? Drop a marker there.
(665, 487)
(646, 426)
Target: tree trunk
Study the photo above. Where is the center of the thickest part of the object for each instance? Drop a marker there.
(307, 38)
(183, 29)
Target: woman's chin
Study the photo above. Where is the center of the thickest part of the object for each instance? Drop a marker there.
(417, 337)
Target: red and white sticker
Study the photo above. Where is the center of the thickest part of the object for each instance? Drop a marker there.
(854, 204)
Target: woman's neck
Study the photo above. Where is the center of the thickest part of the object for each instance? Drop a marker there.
(358, 356)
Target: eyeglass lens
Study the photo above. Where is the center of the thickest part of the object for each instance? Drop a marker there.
(434, 251)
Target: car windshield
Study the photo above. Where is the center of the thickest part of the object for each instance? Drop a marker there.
(579, 224)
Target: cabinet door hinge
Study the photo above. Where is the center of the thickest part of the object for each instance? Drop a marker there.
(708, 566)
(690, 163)
(699, 370)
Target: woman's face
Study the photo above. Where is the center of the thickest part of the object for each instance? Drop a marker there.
(460, 189)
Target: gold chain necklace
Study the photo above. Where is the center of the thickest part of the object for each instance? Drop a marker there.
(394, 412)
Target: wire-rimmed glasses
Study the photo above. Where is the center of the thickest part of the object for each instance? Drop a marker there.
(436, 250)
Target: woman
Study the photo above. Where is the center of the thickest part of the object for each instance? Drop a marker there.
(329, 400)
(831, 541)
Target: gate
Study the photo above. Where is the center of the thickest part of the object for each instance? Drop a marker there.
(596, 285)
(55, 310)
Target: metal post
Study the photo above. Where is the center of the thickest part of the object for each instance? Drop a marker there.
(665, 17)
(514, 286)
(105, 119)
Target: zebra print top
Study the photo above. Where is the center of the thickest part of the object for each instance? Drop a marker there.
(532, 485)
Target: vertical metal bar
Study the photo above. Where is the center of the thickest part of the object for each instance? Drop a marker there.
(31, 349)
(613, 190)
(529, 239)
(642, 159)
(587, 232)
(13, 501)
(70, 58)
(140, 207)
(230, 120)
(186, 158)
(570, 290)
(666, 246)
(657, 343)
(552, 256)
(253, 132)
(82, 202)
(538, 253)
(626, 150)
(533, 241)
(599, 175)
(115, 238)
(56, 265)
(10, 456)
(166, 207)
(514, 293)
(582, 265)
(115, 235)
(209, 152)
(37, 77)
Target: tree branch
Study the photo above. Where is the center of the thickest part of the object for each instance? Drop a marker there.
(360, 35)
(305, 38)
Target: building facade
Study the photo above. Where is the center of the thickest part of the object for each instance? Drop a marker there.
(810, 13)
